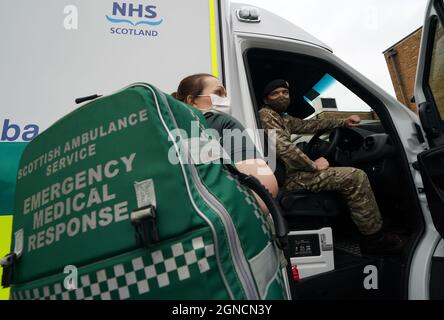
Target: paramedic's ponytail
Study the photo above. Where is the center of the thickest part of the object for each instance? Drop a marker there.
(191, 86)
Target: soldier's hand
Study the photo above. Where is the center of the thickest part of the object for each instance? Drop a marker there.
(352, 121)
(322, 164)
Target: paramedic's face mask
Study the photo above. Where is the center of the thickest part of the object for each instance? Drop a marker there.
(213, 97)
(218, 103)
(279, 100)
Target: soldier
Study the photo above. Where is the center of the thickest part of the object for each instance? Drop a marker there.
(316, 176)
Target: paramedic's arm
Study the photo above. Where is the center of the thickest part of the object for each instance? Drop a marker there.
(247, 159)
(287, 151)
(259, 169)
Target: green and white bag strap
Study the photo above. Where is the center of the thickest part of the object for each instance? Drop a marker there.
(280, 225)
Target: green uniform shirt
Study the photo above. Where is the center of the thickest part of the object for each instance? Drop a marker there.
(233, 137)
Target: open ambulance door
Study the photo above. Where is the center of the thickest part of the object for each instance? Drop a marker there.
(429, 96)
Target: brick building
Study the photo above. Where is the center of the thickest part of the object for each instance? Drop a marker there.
(402, 60)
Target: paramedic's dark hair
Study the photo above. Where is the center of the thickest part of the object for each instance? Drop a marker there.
(191, 86)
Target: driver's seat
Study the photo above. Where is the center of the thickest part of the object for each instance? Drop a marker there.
(307, 203)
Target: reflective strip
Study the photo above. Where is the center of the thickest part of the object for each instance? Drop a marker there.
(145, 193)
(204, 150)
(213, 39)
(265, 267)
(18, 242)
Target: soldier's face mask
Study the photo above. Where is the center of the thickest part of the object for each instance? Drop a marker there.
(279, 104)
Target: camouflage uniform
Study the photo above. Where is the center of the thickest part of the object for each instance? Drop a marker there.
(302, 174)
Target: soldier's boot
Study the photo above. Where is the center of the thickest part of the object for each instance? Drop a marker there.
(383, 243)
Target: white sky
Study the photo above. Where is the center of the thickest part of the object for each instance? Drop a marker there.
(346, 100)
(358, 31)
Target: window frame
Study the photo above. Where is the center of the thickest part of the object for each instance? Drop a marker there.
(435, 21)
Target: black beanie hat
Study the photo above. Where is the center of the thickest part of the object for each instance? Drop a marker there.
(278, 83)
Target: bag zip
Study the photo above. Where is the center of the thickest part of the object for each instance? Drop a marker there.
(200, 213)
(240, 261)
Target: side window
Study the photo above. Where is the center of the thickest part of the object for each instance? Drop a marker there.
(436, 75)
(331, 99)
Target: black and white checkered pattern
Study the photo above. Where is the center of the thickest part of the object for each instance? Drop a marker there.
(252, 202)
(139, 276)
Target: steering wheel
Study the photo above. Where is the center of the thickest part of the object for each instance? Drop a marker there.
(316, 147)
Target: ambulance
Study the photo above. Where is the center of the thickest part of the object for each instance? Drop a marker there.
(54, 52)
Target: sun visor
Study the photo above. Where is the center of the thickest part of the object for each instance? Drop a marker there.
(312, 94)
(300, 108)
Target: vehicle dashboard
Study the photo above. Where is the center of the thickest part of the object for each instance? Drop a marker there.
(359, 146)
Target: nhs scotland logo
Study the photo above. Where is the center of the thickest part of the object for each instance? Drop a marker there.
(133, 19)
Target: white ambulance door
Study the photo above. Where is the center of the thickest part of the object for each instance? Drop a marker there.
(429, 95)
